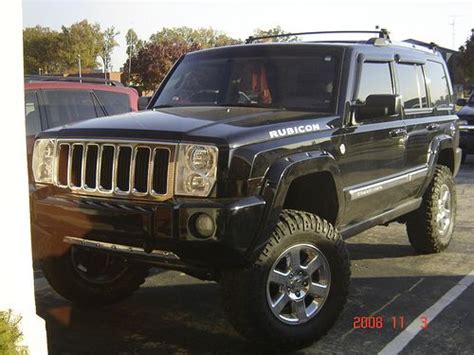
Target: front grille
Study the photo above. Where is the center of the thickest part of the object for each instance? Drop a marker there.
(122, 169)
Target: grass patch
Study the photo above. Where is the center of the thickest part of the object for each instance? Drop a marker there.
(10, 333)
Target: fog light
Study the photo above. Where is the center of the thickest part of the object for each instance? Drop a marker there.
(204, 225)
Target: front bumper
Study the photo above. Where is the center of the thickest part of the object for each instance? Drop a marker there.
(149, 226)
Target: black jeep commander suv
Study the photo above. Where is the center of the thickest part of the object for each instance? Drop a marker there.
(250, 166)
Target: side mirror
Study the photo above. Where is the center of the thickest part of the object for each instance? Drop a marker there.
(143, 102)
(378, 106)
(461, 102)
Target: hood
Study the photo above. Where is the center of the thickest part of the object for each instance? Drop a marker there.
(232, 126)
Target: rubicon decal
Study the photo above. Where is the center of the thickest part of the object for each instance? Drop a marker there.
(294, 130)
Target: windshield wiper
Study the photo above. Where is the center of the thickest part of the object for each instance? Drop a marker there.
(163, 106)
(250, 105)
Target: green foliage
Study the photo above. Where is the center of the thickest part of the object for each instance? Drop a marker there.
(202, 37)
(108, 45)
(275, 31)
(41, 46)
(466, 59)
(57, 51)
(133, 42)
(10, 333)
(81, 39)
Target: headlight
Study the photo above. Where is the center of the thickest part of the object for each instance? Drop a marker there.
(43, 161)
(196, 169)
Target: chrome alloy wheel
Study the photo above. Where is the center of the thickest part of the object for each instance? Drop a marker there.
(298, 284)
(443, 217)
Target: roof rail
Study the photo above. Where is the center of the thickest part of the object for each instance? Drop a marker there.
(429, 48)
(382, 33)
(36, 78)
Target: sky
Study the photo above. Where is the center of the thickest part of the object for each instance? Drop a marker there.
(425, 20)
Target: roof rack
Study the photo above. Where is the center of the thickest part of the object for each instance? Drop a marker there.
(37, 78)
(382, 33)
(428, 48)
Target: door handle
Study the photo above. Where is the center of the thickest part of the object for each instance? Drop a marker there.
(432, 126)
(398, 132)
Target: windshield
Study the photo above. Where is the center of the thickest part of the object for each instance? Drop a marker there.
(282, 80)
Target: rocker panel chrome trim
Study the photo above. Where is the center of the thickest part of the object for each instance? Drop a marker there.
(370, 189)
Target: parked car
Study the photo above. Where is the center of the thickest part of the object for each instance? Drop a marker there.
(466, 115)
(253, 164)
(57, 101)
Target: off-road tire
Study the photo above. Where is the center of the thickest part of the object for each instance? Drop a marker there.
(244, 290)
(422, 229)
(65, 279)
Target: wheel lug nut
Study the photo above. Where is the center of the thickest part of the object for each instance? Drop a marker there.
(305, 283)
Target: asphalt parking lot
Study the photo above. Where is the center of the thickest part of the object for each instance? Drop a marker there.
(174, 313)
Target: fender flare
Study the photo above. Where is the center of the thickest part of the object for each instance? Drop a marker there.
(437, 144)
(277, 181)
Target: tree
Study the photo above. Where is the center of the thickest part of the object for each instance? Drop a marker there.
(156, 57)
(203, 37)
(154, 60)
(275, 31)
(108, 45)
(82, 39)
(466, 59)
(134, 44)
(40, 48)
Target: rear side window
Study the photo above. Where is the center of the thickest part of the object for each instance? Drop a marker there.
(438, 83)
(68, 106)
(412, 86)
(113, 102)
(32, 114)
(375, 79)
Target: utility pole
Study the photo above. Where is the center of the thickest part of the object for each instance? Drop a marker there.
(130, 62)
(105, 60)
(80, 69)
(453, 31)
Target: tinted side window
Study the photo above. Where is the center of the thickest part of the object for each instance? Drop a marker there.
(438, 83)
(113, 102)
(32, 114)
(412, 86)
(375, 79)
(68, 106)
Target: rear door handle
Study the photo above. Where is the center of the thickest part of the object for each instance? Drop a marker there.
(432, 126)
(398, 132)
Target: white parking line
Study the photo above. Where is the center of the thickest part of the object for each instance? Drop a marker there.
(402, 339)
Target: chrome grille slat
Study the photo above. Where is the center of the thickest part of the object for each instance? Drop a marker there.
(114, 162)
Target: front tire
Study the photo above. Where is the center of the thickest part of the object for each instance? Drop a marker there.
(430, 228)
(92, 279)
(296, 289)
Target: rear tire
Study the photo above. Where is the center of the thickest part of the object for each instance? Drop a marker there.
(430, 228)
(92, 279)
(296, 289)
